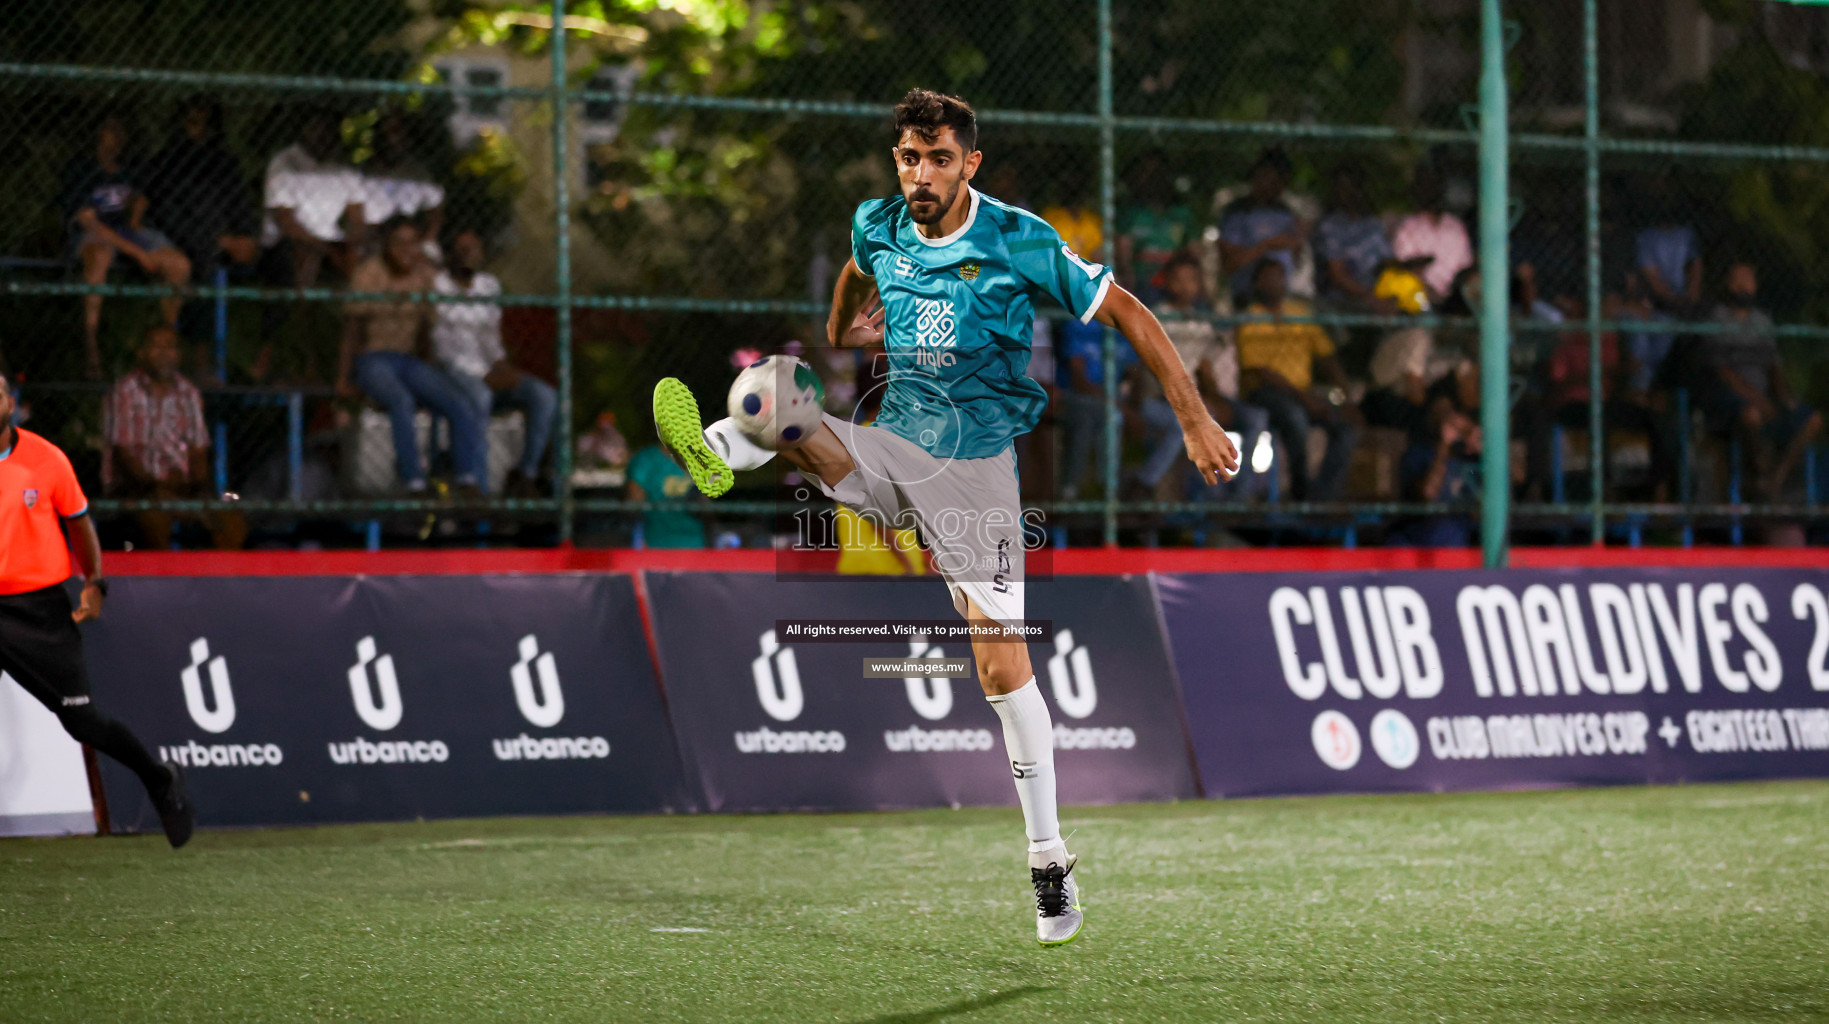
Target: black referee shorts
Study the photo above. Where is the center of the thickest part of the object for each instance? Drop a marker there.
(41, 647)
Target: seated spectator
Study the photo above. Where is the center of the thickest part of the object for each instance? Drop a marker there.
(1744, 390)
(382, 344)
(1152, 227)
(1566, 402)
(104, 203)
(199, 193)
(397, 183)
(1279, 363)
(467, 338)
(157, 444)
(1435, 234)
(1442, 464)
(655, 477)
(1081, 370)
(1259, 226)
(1211, 358)
(315, 206)
(1351, 247)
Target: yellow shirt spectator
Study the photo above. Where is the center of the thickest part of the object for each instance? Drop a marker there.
(1290, 350)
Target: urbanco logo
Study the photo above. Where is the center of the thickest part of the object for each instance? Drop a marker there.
(1070, 676)
(219, 718)
(380, 708)
(932, 699)
(777, 678)
(542, 705)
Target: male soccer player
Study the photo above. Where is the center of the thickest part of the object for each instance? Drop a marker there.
(956, 271)
(40, 645)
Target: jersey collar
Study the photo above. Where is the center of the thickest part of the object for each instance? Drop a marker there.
(970, 216)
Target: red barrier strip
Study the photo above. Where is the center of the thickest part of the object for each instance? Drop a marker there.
(1069, 562)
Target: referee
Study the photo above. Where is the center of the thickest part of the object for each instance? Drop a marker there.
(40, 645)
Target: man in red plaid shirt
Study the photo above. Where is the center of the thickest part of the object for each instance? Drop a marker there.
(158, 446)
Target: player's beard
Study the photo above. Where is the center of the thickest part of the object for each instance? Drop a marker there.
(941, 207)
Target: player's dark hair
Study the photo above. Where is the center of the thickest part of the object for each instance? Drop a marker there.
(1258, 269)
(926, 112)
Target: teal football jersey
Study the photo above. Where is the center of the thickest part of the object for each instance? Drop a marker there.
(958, 316)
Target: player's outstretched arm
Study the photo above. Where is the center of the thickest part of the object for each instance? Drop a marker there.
(1208, 446)
(857, 314)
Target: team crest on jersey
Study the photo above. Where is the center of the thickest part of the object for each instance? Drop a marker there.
(968, 271)
(31, 497)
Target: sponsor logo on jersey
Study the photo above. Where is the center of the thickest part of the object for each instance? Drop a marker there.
(905, 267)
(935, 324)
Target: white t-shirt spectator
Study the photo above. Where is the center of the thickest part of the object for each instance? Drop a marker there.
(317, 192)
(467, 336)
(1443, 237)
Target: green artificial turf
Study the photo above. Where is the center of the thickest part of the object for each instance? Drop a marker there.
(1705, 903)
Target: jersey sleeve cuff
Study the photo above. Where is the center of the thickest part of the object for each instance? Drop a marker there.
(79, 513)
(1098, 299)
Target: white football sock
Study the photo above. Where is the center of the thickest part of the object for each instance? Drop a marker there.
(1028, 737)
(737, 451)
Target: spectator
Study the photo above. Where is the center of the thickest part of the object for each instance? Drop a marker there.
(1527, 303)
(1082, 382)
(1259, 225)
(1435, 234)
(315, 207)
(1152, 228)
(655, 477)
(1351, 246)
(397, 183)
(199, 193)
(1279, 362)
(1745, 393)
(468, 340)
(1442, 464)
(105, 207)
(1648, 364)
(1669, 256)
(382, 343)
(1567, 399)
(157, 444)
(1210, 357)
(1401, 375)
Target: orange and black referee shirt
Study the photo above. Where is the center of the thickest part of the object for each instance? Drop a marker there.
(38, 490)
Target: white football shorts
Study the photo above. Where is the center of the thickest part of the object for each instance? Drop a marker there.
(968, 510)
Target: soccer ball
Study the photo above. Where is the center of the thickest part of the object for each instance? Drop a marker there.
(777, 401)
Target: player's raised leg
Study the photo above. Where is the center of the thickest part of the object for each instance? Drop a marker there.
(1009, 684)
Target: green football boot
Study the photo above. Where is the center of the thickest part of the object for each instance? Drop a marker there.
(682, 437)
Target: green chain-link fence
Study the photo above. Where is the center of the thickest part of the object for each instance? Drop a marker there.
(244, 169)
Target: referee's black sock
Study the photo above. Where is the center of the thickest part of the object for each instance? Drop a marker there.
(111, 737)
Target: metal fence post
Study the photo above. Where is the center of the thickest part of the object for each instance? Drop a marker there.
(1590, 69)
(1108, 217)
(1495, 280)
(562, 453)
